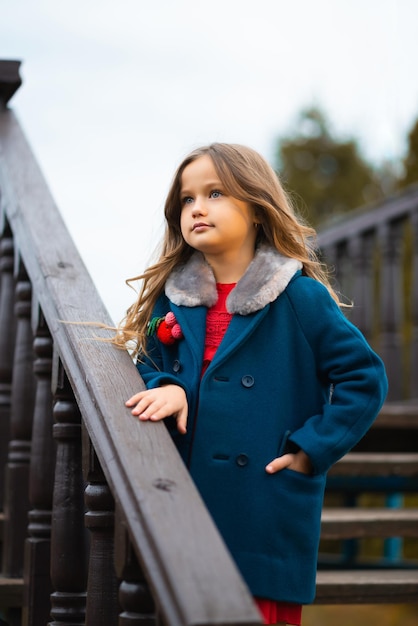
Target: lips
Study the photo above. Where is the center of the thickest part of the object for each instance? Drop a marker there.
(200, 226)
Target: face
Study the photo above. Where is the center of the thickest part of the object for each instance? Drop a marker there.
(212, 221)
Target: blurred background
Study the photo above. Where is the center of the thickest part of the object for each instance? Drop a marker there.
(116, 93)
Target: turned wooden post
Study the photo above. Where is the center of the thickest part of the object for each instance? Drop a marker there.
(68, 536)
(414, 309)
(102, 588)
(328, 256)
(361, 260)
(391, 304)
(135, 598)
(17, 472)
(7, 343)
(36, 608)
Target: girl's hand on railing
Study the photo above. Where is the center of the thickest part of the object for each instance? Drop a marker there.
(298, 462)
(156, 404)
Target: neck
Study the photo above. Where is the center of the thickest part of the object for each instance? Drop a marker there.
(229, 269)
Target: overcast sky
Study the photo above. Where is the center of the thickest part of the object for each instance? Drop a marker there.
(116, 92)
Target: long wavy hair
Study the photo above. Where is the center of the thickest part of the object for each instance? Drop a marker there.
(247, 176)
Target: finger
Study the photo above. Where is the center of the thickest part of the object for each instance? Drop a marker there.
(182, 421)
(146, 407)
(150, 410)
(158, 410)
(134, 399)
(279, 463)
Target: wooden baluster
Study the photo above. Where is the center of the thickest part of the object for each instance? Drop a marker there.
(361, 261)
(391, 304)
(134, 595)
(342, 271)
(68, 535)
(7, 343)
(328, 255)
(36, 608)
(17, 472)
(413, 391)
(102, 588)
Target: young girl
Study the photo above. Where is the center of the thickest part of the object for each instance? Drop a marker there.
(263, 382)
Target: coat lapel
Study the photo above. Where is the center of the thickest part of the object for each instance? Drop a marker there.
(192, 321)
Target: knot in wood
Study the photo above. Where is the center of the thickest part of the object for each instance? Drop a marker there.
(165, 484)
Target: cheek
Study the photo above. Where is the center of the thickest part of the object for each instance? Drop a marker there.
(183, 225)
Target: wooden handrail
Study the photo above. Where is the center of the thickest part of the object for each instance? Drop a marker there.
(192, 577)
(374, 253)
(10, 79)
(362, 221)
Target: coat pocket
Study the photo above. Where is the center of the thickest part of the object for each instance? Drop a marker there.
(287, 446)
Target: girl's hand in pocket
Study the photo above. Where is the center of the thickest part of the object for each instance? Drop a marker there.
(298, 462)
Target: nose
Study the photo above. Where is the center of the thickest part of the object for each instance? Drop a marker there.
(199, 207)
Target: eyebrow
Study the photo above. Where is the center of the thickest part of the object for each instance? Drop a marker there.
(209, 185)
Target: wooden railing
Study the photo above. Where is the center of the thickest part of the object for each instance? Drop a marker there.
(371, 503)
(375, 256)
(74, 456)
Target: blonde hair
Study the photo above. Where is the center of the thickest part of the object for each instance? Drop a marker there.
(247, 176)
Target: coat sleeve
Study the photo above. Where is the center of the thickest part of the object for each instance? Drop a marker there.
(344, 361)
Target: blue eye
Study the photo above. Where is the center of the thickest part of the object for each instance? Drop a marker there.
(215, 193)
(187, 200)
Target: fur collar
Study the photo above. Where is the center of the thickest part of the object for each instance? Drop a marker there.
(267, 276)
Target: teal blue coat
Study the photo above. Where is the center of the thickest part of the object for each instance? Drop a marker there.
(291, 372)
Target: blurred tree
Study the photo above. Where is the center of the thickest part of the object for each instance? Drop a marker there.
(410, 162)
(327, 174)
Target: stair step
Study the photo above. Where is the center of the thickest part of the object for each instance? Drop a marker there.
(378, 464)
(344, 523)
(367, 586)
(11, 592)
(398, 415)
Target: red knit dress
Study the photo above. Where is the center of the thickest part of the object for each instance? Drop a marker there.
(217, 321)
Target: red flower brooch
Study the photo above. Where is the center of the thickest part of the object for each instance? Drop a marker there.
(165, 328)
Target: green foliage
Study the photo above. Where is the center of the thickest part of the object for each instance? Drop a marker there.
(328, 175)
(410, 163)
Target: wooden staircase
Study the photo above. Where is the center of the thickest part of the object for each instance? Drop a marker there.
(383, 465)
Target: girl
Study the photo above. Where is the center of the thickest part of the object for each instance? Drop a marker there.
(263, 382)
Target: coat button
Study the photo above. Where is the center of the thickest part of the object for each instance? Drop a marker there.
(176, 366)
(247, 380)
(242, 460)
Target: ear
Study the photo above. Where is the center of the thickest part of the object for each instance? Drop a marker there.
(256, 220)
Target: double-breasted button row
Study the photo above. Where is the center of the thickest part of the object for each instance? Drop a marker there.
(246, 381)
